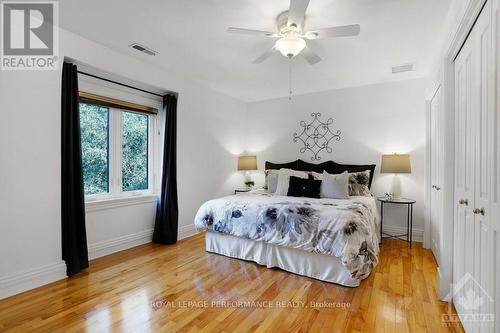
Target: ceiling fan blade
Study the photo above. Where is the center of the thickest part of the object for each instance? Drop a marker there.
(251, 32)
(310, 56)
(340, 31)
(264, 56)
(297, 12)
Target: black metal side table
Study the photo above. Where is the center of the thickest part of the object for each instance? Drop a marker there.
(409, 218)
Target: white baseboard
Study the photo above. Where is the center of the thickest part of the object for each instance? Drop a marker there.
(187, 230)
(106, 247)
(17, 283)
(30, 279)
(417, 235)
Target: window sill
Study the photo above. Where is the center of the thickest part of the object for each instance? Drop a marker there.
(111, 203)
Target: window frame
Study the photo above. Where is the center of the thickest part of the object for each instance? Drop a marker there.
(115, 176)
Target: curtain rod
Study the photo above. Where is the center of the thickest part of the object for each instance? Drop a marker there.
(120, 84)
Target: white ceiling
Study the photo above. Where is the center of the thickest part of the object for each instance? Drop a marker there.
(191, 38)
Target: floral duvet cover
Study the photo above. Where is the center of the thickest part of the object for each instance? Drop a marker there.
(346, 229)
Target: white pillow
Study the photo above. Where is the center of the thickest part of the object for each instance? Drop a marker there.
(284, 179)
(316, 175)
(272, 180)
(335, 186)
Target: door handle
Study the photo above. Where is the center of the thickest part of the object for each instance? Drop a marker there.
(437, 188)
(463, 202)
(479, 211)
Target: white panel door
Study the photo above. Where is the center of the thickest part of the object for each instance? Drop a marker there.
(495, 206)
(465, 100)
(436, 172)
(495, 221)
(476, 157)
(485, 237)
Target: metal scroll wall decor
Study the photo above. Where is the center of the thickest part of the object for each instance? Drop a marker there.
(316, 136)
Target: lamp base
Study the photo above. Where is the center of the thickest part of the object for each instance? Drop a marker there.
(249, 183)
(396, 188)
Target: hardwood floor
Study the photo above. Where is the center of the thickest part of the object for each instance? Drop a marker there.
(171, 288)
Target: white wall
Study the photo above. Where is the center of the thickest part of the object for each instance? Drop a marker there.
(209, 138)
(374, 120)
(449, 29)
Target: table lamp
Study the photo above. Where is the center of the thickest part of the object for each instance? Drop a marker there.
(247, 163)
(396, 164)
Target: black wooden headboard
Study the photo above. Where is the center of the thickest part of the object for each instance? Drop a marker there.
(328, 166)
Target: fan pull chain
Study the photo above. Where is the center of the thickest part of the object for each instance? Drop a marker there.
(290, 79)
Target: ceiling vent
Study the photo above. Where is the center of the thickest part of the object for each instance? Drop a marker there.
(402, 68)
(143, 49)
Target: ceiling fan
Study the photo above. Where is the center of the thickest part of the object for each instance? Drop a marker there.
(291, 34)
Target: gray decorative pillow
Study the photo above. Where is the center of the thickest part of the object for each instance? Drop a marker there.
(358, 183)
(335, 186)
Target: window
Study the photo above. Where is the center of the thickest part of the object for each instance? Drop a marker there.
(116, 151)
(94, 124)
(134, 151)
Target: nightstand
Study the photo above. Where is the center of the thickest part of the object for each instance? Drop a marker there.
(241, 190)
(409, 217)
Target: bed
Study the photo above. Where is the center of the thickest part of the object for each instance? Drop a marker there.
(333, 240)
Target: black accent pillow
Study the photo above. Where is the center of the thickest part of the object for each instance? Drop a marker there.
(300, 187)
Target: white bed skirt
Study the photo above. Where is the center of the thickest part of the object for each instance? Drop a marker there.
(315, 265)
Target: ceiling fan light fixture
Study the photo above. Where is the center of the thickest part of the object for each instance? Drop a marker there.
(290, 46)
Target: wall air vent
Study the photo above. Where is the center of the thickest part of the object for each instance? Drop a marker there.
(143, 49)
(402, 68)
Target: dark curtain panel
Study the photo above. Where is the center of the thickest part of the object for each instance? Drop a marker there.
(74, 235)
(167, 212)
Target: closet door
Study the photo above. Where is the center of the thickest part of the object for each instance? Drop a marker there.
(484, 115)
(475, 243)
(465, 102)
(436, 172)
(495, 221)
(495, 207)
